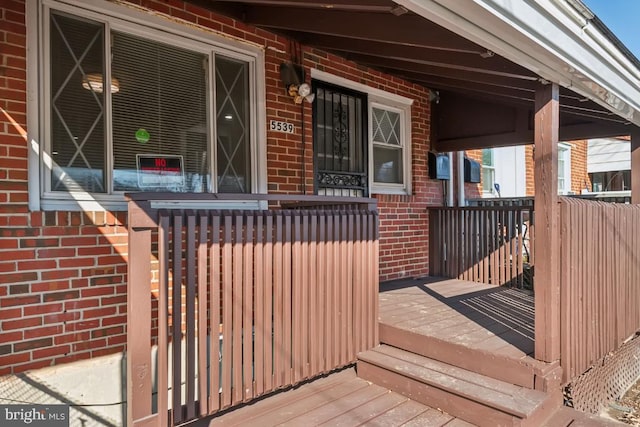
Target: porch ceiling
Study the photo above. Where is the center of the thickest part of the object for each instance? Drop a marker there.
(470, 78)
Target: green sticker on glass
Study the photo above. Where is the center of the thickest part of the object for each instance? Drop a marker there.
(142, 136)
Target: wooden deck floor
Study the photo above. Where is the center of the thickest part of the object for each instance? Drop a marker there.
(341, 399)
(499, 320)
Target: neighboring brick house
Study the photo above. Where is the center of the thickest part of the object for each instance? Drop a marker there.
(63, 222)
(513, 169)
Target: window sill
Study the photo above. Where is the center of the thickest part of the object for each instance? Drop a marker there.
(400, 190)
(88, 203)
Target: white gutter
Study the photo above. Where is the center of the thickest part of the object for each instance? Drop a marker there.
(550, 38)
(461, 196)
(450, 181)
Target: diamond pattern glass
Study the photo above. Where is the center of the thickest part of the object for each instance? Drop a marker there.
(77, 113)
(386, 126)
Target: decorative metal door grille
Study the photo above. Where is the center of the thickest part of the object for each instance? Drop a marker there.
(340, 129)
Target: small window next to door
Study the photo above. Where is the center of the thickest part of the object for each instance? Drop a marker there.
(340, 141)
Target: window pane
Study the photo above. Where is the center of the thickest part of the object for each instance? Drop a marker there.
(386, 126)
(387, 165)
(487, 157)
(233, 126)
(77, 107)
(160, 109)
(488, 179)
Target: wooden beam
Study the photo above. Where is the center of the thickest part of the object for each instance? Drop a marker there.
(419, 54)
(635, 165)
(466, 87)
(354, 5)
(444, 69)
(547, 262)
(406, 29)
(594, 129)
(486, 141)
(525, 137)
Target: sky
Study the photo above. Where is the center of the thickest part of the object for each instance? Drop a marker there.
(621, 16)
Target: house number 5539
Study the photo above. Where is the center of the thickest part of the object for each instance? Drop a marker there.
(277, 126)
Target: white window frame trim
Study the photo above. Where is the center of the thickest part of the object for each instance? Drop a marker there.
(384, 187)
(492, 191)
(149, 24)
(383, 100)
(565, 147)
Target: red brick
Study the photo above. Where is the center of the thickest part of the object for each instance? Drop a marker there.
(42, 332)
(61, 317)
(49, 286)
(68, 338)
(38, 364)
(116, 320)
(19, 301)
(59, 296)
(117, 339)
(114, 330)
(11, 336)
(32, 310)
(59, 274)
(14, 359)
(56, 253)
(82, 303)
(99, 312)
(10, 313)
(80, 326)
(86, 345)
(28, 322)
(48, 353)
(7, 267)
(37, 265)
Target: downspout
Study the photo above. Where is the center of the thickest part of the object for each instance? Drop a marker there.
(461, 198)
(450, 182)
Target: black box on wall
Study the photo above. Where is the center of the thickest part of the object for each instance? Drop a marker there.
(471, 171)
(439, 167)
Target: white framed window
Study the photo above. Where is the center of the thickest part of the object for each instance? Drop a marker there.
(388, 157)
(388, 146)
(488, 172)
(119, 86)
(564, 168)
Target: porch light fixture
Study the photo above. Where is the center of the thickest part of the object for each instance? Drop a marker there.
(434, 96)
(292, 77)
(301, 93)
(93, 81)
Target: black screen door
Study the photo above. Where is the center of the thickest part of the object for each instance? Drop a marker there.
(340, 135)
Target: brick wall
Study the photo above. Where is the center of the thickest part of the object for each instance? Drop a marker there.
(63, 274)
(579, 176)
(530, 171)
(474, 191)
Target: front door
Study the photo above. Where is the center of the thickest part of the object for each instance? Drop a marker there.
(339, 140)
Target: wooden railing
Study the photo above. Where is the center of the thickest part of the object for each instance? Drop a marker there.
(248, 301)
(600, 277)
(490, 245)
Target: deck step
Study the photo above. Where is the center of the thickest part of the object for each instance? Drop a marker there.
(464, 394)
(516, 369)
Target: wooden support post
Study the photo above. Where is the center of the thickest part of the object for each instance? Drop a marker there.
(547, 267)
(139, 370)
(635, 165)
